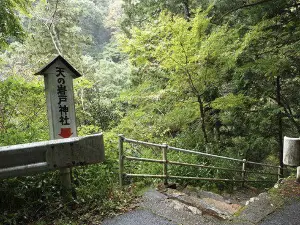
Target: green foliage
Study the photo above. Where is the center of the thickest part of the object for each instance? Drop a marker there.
(10, 26)
(20, 196)
(230, 101)
(212, 78)
(191, 58)
(23, 117)
(22, 111)
(136, 13)
(95, 190)
(233, 70)
(97, 197)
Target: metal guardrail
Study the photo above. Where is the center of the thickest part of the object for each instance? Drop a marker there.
(165, 162)
(27, 159)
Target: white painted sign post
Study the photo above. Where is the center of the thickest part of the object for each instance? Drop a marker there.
(291, 154)
(58, 78)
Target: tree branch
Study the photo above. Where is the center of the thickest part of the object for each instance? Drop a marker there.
(190, 79)
(57, 40)
(53, 34)
(288, 112)
(54, 42)
(52, 18)
(186, 9)
(244, 6)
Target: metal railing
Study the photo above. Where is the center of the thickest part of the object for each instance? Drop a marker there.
(165, 162)
(38, 157)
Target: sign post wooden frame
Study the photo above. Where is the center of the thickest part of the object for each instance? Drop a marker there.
(58, 78)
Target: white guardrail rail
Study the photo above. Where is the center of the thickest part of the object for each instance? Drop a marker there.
(27, 159)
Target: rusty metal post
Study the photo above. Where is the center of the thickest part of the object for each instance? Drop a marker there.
(121, 159)
(165, 163)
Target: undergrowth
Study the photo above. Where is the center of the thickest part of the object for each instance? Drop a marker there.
(37, 199)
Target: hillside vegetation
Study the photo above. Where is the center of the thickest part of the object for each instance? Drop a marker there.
(220, 77)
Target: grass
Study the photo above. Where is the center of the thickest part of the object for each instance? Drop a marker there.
(37, 200)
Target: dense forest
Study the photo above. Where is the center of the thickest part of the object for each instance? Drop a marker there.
(216, 76)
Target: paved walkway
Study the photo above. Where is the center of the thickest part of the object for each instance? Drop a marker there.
(156, 208)
(138, 217)
(287, 215)
(160, 209)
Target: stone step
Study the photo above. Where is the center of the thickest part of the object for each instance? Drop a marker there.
(174, 210)
(207, 202)
(256, 209)
(193, 191)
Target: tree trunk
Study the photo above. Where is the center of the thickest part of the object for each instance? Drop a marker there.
(187, 13)
(202, 119)
(279, 116)
(218, 124)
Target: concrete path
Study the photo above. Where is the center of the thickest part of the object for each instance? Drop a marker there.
(256, 210)
(138, 217)
(172, 207)
(156, 208)
(287, 215)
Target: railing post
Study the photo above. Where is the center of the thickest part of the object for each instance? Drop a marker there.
(280, 172)
(165, 163)
(121, 159)
(244, 172)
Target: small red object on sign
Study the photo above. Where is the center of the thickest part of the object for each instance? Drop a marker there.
(65, 132)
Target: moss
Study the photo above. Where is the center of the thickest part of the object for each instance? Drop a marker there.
(238, 213)
(287, 190)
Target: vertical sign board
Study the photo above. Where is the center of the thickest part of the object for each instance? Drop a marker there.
(60, 101)
(58, 77)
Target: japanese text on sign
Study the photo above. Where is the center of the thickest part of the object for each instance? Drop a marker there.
(64, 118)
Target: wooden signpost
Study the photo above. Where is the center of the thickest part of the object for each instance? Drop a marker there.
(58, 78)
